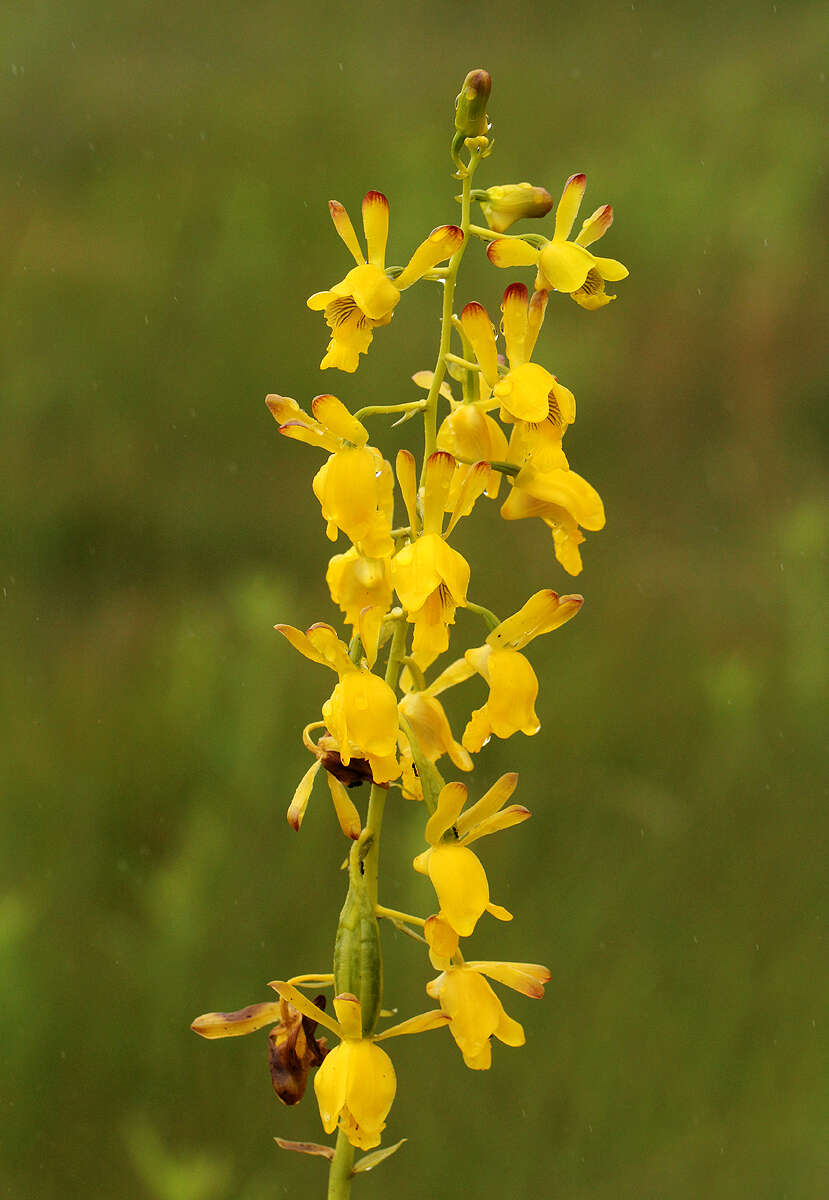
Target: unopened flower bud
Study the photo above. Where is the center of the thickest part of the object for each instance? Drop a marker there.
(509, 202)
(470, 105)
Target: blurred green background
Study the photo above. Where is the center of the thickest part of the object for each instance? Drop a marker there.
(166, 168)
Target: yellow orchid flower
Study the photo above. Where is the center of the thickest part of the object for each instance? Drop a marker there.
(456, 872)
(357, 582)
(564, 501)
(471, 436)
(366, 297)
(356, 1083)
(355, 486)
(430, 726)
(477, 1014)
(428, 575)
(470, 433)
(513, 685)
(525, 392)
(566, 266)
(361, 713)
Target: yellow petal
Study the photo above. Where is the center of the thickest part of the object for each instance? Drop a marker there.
(301, 642)
(475, 1010)
(370, 1089)
(355, 489)
(431, 630)
(343, 226)
(564, 266)
(524, 392)
(510, 1032)
(514, 308)
(349, 1014)
(369, 624)
(513, 687)
(566, 542)
(568, 205)
(376, 226)
(297, 807)
(325, 641)
(443, 943)
(362, 714)
(566, 403)
(498, 912)
(332, 413)
(439, 245)
(450, 802)
(300, 432)
(384, 768)
(535, 319)
(478, 328)
(419, 569)
(407, 478)
(431, 728)
(419, 1024)
(461, 885)
(454, 571)
(234, 1024)
(481, 1061)
(437, 477)
(469, 433)
(543, 612)
(492, 800)
(423, 379)
(474, 481)
(610, 269)
(357, 582)
(591, 301)
(567, 490)
(514, 815)
(373, 292)
(511, 252)
(330, 1083)
(596, 226)
(320, 300)
(478, 731)
(457, 672)
(344, 807)
(527, 978)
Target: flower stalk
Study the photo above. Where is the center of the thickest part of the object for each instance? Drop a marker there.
(398, 585)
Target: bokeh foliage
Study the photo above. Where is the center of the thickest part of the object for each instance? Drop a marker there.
(165, 171)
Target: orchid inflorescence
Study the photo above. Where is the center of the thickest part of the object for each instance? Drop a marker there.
(398, 588)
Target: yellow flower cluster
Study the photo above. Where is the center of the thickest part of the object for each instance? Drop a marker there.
(399, 585)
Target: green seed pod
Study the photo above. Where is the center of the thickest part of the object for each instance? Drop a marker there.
(358, 963)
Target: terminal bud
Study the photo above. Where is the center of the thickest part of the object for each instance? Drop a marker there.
(470, 105)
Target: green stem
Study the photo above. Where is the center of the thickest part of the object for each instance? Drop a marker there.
(430, 413)
(488, 235)
(377, 796)
(375, 410)
(462, 362)
(339, 1175)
